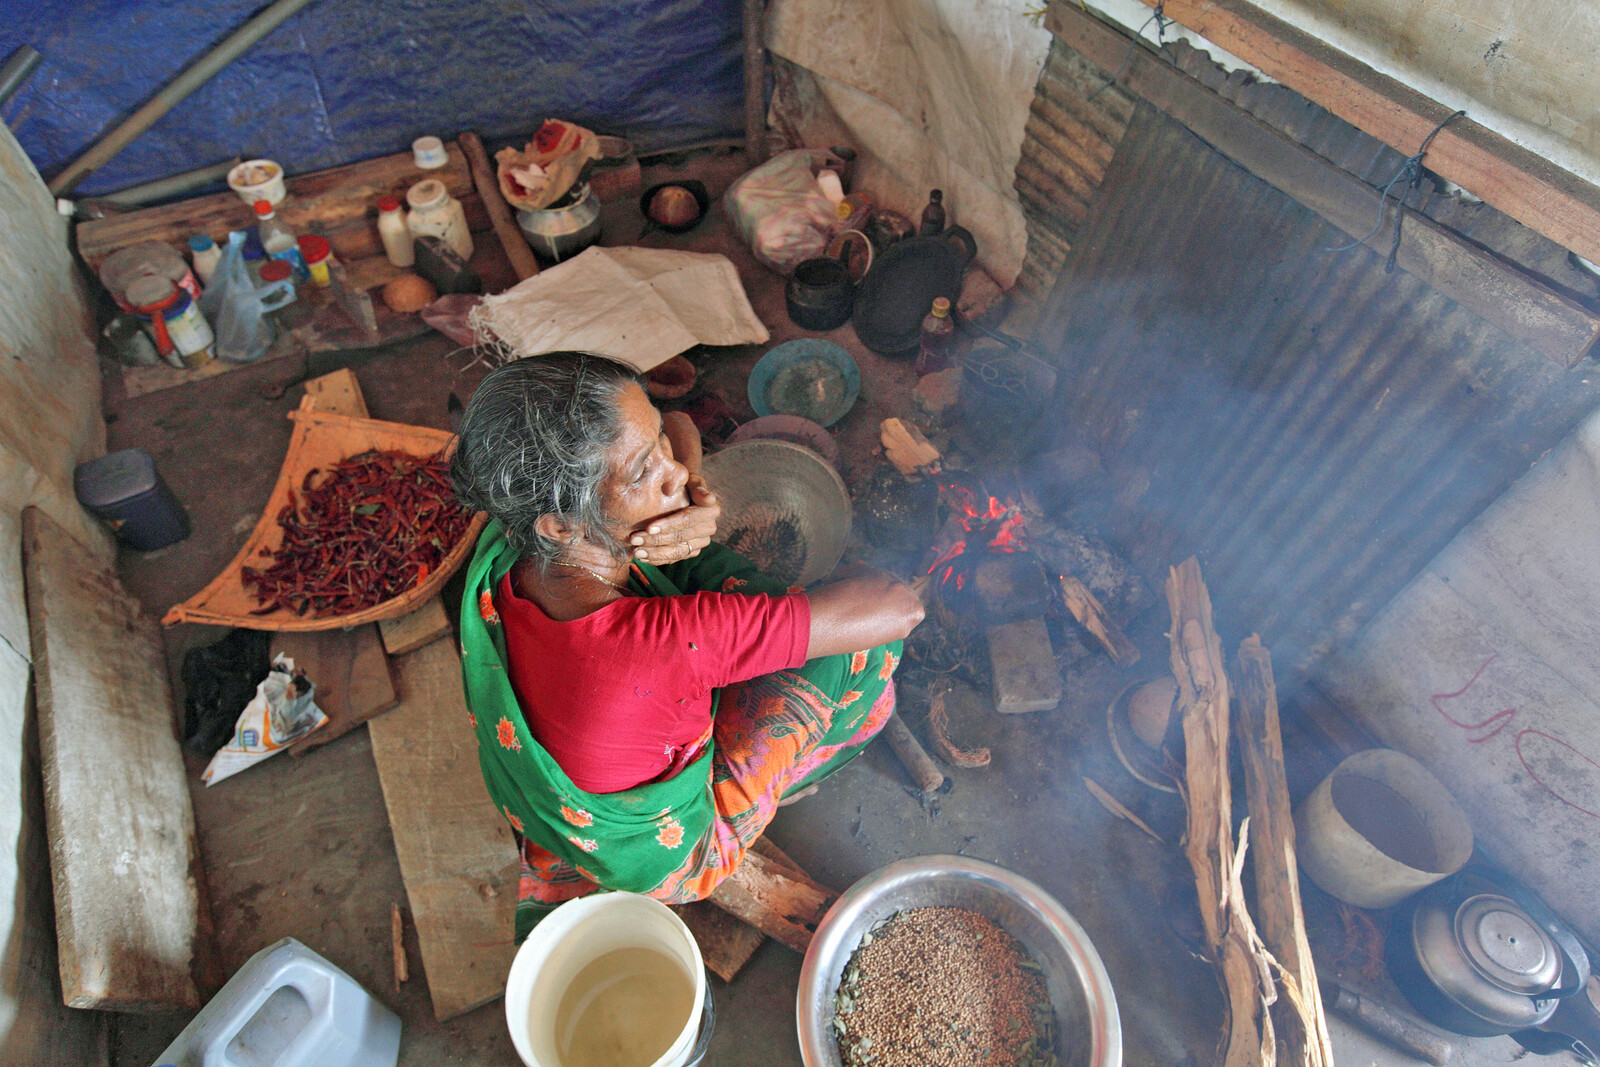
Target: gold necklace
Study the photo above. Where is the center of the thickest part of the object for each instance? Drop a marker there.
(593, 574)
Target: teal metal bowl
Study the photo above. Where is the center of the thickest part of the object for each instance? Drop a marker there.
(808, 377)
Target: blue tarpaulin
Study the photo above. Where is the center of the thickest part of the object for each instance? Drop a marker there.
(344, 80)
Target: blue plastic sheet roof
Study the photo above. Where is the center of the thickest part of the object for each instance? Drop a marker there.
(344, 80)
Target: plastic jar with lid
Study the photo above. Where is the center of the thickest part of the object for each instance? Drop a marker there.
(435, 213)
(318, 256)
(182, 335)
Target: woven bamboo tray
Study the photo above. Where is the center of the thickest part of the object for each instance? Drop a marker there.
(320, 439)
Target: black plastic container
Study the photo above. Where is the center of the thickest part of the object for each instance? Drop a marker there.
(820, 294)
(125, 489)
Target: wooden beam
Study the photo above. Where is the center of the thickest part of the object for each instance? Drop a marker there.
(410, 632)
(1524, 185)
(116, 798)
(456, 853)
(1489, 286)
(1303, 1023)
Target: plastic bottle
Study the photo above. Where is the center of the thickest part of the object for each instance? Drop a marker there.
(435, 213)
(394, 233)
(933, 217)
(278, 240)
(206, 255)
(938, 335)
(318, 256)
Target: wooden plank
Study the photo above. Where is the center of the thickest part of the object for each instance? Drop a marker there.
(323, 201)
(408, 632)
(351, 674)
(505, 228)
(1303, 1025)
(1529, 188)
(768, 896)
(339, 392)
(1491, 287)
(117, 811)
(456, 853)
(1085, 607)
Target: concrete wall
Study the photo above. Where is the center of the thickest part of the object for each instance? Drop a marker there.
(49, 421)
(1487, 669)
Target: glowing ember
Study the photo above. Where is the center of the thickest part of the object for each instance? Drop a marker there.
(995, 527)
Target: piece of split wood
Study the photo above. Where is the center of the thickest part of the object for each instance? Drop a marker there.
(939, 726)
(907, 448)
(767, 896)
(1116, 807)
(397, 927)
(1086, 608)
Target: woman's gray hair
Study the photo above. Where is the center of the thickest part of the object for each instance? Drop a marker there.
(534, 441)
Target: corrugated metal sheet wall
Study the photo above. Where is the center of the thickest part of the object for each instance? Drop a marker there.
(1076, 123)
(1313, 428)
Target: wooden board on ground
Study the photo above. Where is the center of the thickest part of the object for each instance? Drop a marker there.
(410, 632)
(338, 392)
(726, 941)
(351, 674)
(117, 810)
(456, 852)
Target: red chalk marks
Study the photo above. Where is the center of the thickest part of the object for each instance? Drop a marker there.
(1502, 718)
(1527, 765)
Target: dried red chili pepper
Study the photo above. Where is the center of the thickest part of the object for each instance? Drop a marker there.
(371, 528)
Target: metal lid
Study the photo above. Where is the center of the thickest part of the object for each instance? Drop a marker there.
(1506, 946)
(114, 477)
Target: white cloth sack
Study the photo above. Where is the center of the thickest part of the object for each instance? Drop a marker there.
(641, 306)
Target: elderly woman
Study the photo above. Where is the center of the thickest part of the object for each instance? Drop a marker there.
(644, 698)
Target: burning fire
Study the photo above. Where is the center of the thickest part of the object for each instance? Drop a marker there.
(996, 527)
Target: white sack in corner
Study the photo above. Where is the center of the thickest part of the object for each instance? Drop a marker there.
(641, 306)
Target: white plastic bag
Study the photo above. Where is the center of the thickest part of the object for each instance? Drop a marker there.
(237, 310)
(780, 211)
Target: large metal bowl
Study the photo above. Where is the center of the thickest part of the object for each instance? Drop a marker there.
(783, 506)
(1085, 1006)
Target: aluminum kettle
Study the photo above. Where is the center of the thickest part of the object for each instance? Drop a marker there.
(1481, 955)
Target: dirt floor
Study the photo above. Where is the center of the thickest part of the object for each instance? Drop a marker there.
(301, 847)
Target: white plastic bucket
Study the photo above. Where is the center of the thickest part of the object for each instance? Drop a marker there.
(1380, 828)
(577, 934)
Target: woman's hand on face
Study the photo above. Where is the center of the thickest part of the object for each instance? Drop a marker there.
(681, 534)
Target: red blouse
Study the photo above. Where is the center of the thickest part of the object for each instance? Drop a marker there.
(622, 696)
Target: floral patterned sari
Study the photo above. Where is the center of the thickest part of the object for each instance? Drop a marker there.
(674, 839)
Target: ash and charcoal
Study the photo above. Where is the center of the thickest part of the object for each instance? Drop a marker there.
(943, 987)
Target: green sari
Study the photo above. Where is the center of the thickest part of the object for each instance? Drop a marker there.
(661, 834)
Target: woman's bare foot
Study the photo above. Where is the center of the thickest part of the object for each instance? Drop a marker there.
(807, 791)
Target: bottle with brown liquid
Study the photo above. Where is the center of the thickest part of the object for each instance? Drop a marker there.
(938, 336)
(933, 215)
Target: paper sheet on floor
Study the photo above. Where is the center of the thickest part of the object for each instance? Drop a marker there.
(638, 305)
(282, 711)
